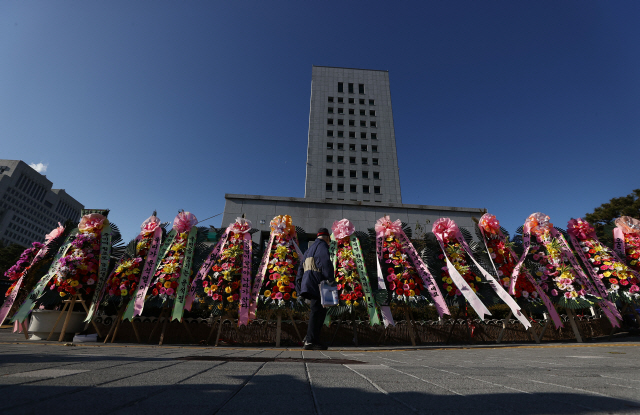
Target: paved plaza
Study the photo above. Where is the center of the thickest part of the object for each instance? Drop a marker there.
(52, 378)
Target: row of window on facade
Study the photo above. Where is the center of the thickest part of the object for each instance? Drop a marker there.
(352, 160)
(352, 134)
(352, 111)
(350, 87)
(22, 231)
(352, 123)
(352, 147)
(47, 218)
(353, 174)
(16, 238)
(351, 101)
(353, 188)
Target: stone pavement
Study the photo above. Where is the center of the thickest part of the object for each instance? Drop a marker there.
(50, 378)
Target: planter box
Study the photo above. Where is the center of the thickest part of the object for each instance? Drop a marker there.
(42, 322)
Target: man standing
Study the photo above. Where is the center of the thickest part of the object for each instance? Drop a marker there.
(315, 267)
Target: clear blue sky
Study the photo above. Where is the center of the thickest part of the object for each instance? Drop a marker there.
(140, 105)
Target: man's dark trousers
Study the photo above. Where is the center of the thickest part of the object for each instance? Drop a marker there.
(316, 319)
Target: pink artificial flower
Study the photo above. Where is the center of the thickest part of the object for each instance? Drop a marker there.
(567, 295)
(279, 296)
(184, 222)
(91, 281)
(445, 229)
(554, 292)
(537, 223)
(241, 226)
(170, 291)
(634, 289)
(385, 228)
(488, 223)
(292, 285)
(92, 221)
(342, 228)
(580, 229)
(54, 233)
(149, 225)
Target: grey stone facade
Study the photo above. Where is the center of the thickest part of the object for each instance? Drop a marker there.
(351, 153)
(29, 207)
(311, 214)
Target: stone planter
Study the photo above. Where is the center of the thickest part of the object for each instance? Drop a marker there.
(42, 322)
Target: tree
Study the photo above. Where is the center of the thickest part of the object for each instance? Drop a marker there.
(602, 218)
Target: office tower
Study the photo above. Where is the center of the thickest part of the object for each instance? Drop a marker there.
(351, 152)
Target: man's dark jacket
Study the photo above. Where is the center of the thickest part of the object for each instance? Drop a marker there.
(312, 271)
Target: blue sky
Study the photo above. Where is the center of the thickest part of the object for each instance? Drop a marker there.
(517, 107)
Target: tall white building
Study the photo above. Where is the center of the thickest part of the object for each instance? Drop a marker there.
(351, 152)
(352, 164)
(29, 207)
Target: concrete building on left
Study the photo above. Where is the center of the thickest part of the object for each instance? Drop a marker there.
(29, 206)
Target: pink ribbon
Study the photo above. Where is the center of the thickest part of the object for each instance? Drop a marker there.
(618, 243)
(204, 269)
(526, 243)
(147, 271)
(245, 287)
(545, 298)
(607, 307)
(444, 227)
(342, 228)
(427, 279)
(257, 284)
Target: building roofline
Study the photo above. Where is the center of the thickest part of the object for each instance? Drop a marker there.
(356, 69)
(353, 203)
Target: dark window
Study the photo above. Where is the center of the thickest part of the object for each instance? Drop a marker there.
(329, 133)
(361, 88)
(341, 100)
(340, 159)
(353, 173)
(363, 135)
(352, 101)
(365, 189)
(372, 123)
(352, 134)
(340, 173)
(363, 147)
(352, 123)
(374, 136)
(365, 160)
(374, 149)
(353, 188)
(340, 110)
(340, 146)
(376, 190)
(376, 175)
(372, 102)
(329, 146)
(363, 123)
(374, 161)
(350, 88)
(361, 101)
(329, 159)
(352, 111)
(340, 187)
(372, 113)
(329, 172)
(330, 121)
(330, 110)
(340, 87)
(340, 122)
(340, 133)
(362, 112)
(329, 187)
(352, 160)
(330, 99)
(352, 147)
(365, 174)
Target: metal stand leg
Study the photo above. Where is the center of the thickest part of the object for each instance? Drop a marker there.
(574, 325)
(504, 327)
